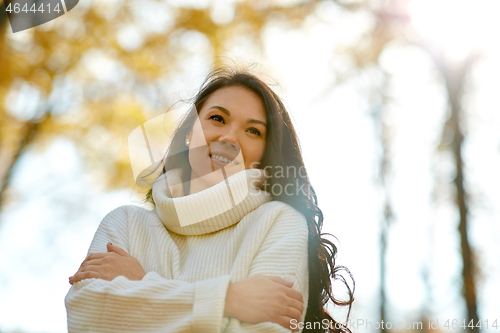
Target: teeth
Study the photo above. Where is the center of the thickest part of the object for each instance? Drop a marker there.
(224, 159)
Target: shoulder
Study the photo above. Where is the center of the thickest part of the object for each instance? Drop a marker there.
(280, 208)
(282, 215)
(116, 227)
(280, 225)
(128, 209)
(123, 215)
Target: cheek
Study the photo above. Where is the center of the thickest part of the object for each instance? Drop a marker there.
(209, 133)
(199, 137)
(197, 140)
(254, 153)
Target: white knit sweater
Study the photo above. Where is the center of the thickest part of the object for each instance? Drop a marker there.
(188, 269)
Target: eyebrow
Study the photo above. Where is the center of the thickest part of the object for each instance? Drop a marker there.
(226, 111)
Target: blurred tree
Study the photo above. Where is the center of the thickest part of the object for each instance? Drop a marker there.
(455, 80)
(99, 71)
(454, 76)
(3, 15)
(365, 54)
(384, 133)
(392, 21)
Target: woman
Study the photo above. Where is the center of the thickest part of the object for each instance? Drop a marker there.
(234, 241)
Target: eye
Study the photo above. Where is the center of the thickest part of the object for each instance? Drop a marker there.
(217, 118)
(254, 131)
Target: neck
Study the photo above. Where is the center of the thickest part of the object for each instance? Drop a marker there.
(211, 208)
(198, 184)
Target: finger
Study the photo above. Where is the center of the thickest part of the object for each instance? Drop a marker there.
(94, 256)
(295, 304)
(93, 262)
(293, 313)
(295, 294)
(83, 275)
(88, 267)
(112, 248)
(280, 280)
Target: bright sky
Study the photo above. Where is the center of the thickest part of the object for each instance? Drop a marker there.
(46, 233)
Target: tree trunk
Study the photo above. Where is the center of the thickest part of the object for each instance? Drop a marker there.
(30, 131)
(385, 159)
(3, 16)
(455, 78)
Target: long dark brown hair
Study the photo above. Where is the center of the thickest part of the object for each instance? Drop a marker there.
(282, 153)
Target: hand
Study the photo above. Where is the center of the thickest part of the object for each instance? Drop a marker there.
(261, 298)
(109, 265)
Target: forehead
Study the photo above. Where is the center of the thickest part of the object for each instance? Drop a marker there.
(239, 101)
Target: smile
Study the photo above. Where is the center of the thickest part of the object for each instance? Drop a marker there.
(223, 159)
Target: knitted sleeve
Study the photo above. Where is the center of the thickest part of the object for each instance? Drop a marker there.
(283, 253)
(153, 304)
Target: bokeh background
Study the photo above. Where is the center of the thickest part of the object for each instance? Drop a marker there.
(395, 102)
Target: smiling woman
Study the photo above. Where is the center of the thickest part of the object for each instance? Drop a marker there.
(235, 138)
(218, 253)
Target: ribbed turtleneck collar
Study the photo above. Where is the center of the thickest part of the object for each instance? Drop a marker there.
(212, 209)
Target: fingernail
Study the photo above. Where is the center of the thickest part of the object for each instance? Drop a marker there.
(290, 282)
(109, 243)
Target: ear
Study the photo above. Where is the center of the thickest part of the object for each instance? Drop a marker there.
(188, 138)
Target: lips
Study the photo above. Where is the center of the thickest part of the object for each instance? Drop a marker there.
(223, 160)
(222, 157)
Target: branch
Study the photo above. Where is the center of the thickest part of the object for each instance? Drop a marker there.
(31, 129)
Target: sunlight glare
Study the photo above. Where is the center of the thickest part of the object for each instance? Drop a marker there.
(458, 27)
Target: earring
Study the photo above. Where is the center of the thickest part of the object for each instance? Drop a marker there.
(187, 142)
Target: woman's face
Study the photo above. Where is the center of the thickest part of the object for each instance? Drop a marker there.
(230, 132)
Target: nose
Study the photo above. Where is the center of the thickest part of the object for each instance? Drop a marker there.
(229, 144)
(229, 138)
